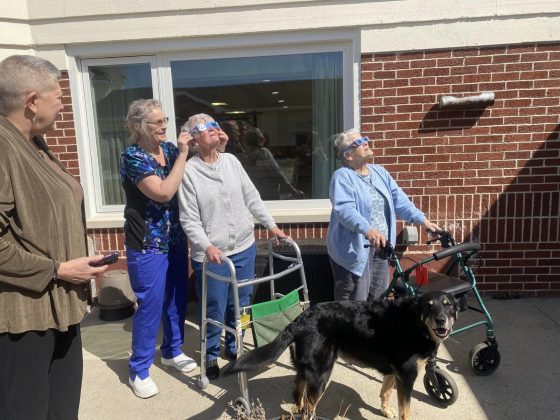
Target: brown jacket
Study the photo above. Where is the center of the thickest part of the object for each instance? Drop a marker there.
(41, 224)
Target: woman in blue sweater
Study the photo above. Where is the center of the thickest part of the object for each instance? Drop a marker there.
(366, 202)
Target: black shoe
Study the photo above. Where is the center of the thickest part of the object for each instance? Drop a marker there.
(212, 369)
(230, 356)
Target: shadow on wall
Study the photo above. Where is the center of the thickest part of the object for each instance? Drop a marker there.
(514, 210)
(519, 230)
(437, 119)
(519, 227)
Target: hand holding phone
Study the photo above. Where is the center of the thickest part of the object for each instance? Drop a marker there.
(106, 260)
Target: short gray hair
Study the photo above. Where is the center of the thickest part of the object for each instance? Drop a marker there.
(22, 74)
(194, 120)
(138, 110)
(342, 141)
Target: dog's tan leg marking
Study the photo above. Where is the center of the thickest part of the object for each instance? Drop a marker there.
(299, 396)
(385, 394)
(420, 363)
(404, 404)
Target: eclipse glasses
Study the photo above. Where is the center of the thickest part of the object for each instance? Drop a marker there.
(206, 126)
(356, 143)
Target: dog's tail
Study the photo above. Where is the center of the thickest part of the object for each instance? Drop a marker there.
(264, 355)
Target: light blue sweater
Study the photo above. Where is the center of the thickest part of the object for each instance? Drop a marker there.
(217, 203)
(351, 213)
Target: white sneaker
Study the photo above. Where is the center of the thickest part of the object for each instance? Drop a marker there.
(182, 363)
(143, 388)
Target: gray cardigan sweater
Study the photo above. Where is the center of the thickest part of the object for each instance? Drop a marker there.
(217, 203)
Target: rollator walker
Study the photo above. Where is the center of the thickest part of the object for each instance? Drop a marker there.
(485, 357)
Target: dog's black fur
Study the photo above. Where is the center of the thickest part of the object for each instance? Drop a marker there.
(393, 337)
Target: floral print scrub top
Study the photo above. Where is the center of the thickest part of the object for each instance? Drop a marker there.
(149, 226)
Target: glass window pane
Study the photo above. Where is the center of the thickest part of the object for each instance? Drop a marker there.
(280, 112)
(113, 87)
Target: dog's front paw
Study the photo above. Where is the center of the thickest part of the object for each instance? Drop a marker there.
(389, 413)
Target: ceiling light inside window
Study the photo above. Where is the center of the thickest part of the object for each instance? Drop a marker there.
(281, 101)
(235, 112)
(219, 104)
(275, 93)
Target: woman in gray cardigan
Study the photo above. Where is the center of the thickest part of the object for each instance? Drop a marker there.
(217, 203)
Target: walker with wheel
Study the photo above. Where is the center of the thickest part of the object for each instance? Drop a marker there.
(484, 358)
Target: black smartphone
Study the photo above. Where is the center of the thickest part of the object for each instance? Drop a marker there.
(106, 260)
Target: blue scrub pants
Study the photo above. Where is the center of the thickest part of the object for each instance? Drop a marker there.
(160, 283)
(220, 297)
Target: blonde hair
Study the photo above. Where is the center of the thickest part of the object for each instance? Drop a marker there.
(136, 117)
(22, 74)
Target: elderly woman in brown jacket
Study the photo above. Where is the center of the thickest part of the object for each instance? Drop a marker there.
(44, 270)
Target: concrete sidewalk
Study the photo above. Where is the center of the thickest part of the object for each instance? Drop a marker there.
(525, 386)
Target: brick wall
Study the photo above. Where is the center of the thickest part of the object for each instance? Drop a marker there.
(113, 239)
(490, 174)
(62, 140)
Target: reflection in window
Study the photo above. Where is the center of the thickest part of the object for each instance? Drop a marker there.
(113, 88)
(280, 112)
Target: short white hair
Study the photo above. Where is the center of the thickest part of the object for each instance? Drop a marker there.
(194, 120)
(22, 74)
(342, 141)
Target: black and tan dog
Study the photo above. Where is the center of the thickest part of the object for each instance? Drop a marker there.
(394, 337)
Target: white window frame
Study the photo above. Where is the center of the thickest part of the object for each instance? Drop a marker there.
(159, 54)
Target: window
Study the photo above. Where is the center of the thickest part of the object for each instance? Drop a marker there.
(110, 87)
(280, 112)
(113, 88)
(281, 108)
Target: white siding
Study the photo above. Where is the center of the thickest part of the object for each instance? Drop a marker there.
(50, 26)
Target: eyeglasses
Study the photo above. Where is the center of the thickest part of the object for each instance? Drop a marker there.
(159, 123)
(356, 143)
(210, 125)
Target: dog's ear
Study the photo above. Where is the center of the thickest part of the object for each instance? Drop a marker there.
(416, 306)
(455, 304)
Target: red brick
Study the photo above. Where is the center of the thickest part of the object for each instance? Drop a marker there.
(546, 65)
(464, 70)
(505, 58)
(531, 57)
(491, 68)
(389, 83)
(519, 67)
(533, 75)
(396, 65)
(417, 55)
(371, 66)
(478, 60)
(384, 74)
(422, 63)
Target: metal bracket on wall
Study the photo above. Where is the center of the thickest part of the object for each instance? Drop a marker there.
(475, 101)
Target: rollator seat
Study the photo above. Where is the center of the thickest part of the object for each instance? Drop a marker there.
(437, 281)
